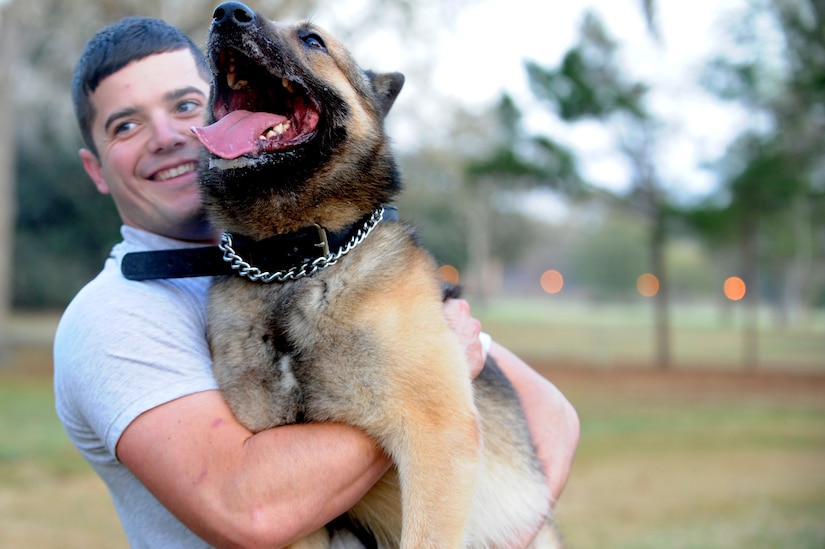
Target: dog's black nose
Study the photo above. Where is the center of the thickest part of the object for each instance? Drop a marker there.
(233, 13)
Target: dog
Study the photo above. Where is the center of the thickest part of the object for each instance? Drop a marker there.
(335, 314)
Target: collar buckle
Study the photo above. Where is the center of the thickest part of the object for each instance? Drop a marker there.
(324, 244)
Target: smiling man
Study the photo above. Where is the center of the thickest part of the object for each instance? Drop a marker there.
(141, 150)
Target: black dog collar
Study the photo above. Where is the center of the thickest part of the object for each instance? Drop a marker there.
(279, 253)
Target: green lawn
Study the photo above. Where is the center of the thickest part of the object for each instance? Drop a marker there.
(605, 335)
(49, 496)
(697, 461)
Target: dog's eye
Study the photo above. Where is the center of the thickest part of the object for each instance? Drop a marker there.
(314, 41)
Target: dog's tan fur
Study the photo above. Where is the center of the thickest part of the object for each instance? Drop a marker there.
(365, 341)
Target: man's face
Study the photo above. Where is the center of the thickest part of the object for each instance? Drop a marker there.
(147, 153)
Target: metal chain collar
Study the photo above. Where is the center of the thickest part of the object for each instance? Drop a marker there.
(307, 269)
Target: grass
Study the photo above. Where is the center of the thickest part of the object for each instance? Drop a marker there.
(670, 461)
(29, 432)
(698, 458)
(49, 496)
(606, 335)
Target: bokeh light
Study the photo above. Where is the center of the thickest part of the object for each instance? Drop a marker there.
(734, 288)
(647, 285)
(448, 273)
(552, 281)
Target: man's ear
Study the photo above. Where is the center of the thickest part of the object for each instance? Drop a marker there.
(92, 166)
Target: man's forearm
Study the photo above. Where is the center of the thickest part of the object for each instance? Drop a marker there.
(236, 489)
(328, 468)
(551, 419)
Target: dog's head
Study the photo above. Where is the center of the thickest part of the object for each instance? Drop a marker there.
(296, 134)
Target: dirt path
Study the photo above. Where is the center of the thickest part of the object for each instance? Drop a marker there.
(705, 382)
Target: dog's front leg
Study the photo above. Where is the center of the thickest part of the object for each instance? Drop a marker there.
(438, 474)
(435, 443)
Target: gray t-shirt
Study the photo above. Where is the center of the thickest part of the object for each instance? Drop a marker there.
(124, 347)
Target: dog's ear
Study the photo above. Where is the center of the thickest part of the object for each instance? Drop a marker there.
(387, 86)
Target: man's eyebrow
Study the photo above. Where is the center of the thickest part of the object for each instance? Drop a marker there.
(117, 115)
(177, 94)
(171, 96)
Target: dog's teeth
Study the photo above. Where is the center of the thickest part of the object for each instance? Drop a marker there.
(287, 84)
(276, 131)
(234, 83)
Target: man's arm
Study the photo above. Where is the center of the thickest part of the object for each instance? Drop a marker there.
(233, 488)
(551, 419)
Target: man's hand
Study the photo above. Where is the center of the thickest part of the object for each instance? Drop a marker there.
(467, 329)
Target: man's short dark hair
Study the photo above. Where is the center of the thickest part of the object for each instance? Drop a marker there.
(114, 47)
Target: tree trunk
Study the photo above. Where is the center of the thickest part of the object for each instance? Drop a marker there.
(799, 270)
(750, 323)
(478, 241)
(662, 299)
(8, 47)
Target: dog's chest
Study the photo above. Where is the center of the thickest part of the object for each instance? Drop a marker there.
(314, 342)
(309, 319)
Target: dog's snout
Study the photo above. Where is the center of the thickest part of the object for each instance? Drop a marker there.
(233, 13)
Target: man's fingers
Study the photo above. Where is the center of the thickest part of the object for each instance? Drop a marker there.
(467, 329)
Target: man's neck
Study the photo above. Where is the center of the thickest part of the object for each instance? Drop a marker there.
(201, 233)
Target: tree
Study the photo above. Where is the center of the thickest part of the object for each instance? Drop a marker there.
(760, 189)
(514, 162)
(774, 175)
(8, 41)
(607, 261)
(590, 84)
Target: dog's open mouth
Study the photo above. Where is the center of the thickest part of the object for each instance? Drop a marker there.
(256, 112)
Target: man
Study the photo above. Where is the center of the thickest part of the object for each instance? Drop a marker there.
(133, 380)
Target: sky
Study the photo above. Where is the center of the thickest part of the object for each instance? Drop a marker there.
(699, 125)
(483, 53)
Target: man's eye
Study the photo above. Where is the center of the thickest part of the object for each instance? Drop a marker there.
(189, 106)
(123, 127)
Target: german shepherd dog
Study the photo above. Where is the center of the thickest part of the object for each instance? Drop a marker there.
(336, 315)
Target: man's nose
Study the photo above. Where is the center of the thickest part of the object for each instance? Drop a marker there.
(167, 135)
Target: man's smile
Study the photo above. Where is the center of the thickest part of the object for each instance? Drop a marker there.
(173, 172)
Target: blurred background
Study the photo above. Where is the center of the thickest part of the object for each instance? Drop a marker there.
(631, 193)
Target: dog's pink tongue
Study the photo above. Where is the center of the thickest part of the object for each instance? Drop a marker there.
(236, 133)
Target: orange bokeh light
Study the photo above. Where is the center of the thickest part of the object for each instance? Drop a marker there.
(647, 285)
(734, 288)
(552, 281)
(448, 273)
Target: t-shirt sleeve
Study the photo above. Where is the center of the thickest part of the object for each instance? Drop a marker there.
(124, 348)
